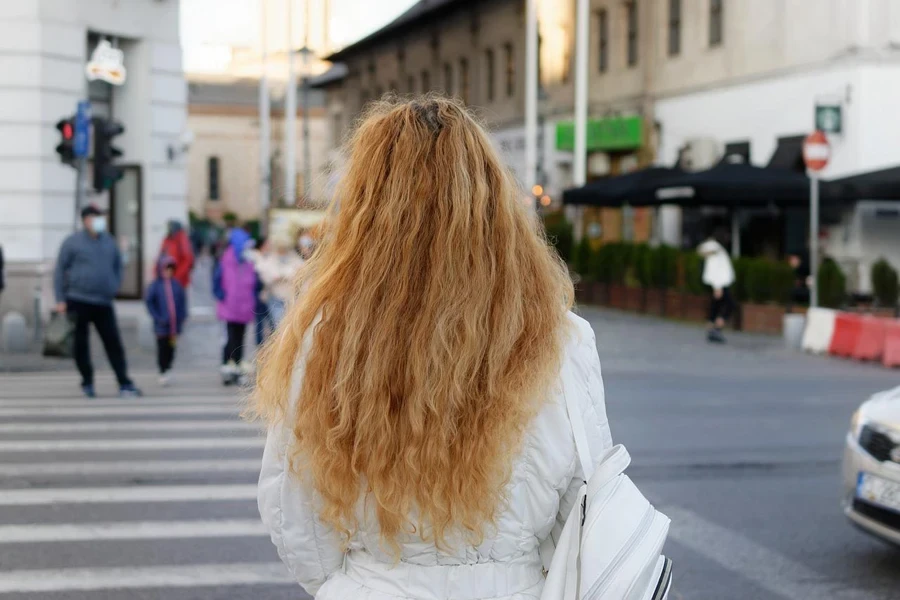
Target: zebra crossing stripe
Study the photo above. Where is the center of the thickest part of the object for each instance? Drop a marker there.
(140, 494)
(146, 530)
(133, 444)
(117, 426)
(120, 410)
(130, 467)
(58, 580)
(76, 402)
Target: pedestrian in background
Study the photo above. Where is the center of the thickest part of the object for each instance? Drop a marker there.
(167, 305)
(276, 270)
(718, 274)
(419, 377)
(2, 272)
(263, 321)
(87, 277)
(234, 286)
(177, 246)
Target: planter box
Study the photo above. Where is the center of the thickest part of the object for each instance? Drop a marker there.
(617, 296)
(694, 307)
(673, 301)
(762, 318)
(653, 301)
(600, 293)
(634, 299)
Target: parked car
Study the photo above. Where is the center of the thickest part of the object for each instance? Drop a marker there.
(872, 467)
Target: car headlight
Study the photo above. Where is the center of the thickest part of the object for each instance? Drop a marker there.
(855, 424)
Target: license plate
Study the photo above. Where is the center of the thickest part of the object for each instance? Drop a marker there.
(878, 491)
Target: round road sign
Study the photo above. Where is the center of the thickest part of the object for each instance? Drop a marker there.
(816, 151)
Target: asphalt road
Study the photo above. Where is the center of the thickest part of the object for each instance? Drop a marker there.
(740, 445)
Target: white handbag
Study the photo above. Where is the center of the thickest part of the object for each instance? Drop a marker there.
(610, 547)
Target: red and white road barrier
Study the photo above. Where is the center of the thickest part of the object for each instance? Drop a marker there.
(819, 330)
(852, 335)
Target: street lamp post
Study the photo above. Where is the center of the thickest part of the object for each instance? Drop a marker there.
(290, 118)
(305, 54)
(265, 128)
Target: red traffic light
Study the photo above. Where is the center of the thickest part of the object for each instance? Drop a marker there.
(68, 132)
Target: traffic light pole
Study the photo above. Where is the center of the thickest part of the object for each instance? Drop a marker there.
(80, 171)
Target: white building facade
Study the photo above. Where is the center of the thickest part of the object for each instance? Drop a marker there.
(44, 47)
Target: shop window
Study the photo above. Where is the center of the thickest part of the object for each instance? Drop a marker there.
(631, 12)
(448, 79)
(510, 70)
(603, 37)
(212, 174)
(716, 22)
(464, 80)
(674, 27)
(489, 74)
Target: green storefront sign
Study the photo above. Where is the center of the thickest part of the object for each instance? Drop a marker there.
(615, 133)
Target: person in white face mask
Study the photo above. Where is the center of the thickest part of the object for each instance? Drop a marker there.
(87, 277)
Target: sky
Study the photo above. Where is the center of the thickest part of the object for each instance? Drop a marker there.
(210, 27)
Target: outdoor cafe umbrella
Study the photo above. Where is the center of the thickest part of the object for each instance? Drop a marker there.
(637, 188)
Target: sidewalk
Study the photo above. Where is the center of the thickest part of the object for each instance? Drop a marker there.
(200, 345)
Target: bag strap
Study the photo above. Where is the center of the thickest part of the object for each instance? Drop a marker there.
(576, 419)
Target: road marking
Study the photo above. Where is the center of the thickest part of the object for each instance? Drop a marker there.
(149, 493)
(109, 411)
(768, 569)
(57, 580)
(142, 530)
(131, 467)
(78, 402)
(139, 444)
(114, 426)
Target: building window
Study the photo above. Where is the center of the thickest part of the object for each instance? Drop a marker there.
(631, 9)
(411, 84)
(464, 80)
(489, 74)
(716, 23)
(426, 82)
(448, 79)
(674, 27)
(603, 36)
(510, 70)
(212, 177)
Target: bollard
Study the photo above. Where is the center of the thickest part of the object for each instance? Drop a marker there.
(14, 333)
(793, 328)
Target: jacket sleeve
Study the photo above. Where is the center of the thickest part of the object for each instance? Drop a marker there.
(588, 383)
(181, 307)
(152, 301)
(289, 510)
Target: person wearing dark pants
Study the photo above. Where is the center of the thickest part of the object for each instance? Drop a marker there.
(718, 274)
(234, 345)
(104, 320)
(87, 276)
(165, 356)
(167, 304)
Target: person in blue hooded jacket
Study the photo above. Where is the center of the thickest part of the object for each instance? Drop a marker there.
(167, 305)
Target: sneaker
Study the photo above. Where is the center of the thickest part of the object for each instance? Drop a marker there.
(230, 373)
(165, 379)
(88, 391)
(129, 391)
(715, 336)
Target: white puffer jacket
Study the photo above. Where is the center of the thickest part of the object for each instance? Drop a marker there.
(507, 566)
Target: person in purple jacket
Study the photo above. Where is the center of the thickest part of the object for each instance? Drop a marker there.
(167, 305)
(234, 285)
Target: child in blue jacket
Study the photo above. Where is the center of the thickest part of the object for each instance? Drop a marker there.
(167, 305)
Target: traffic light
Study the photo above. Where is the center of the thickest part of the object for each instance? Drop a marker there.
(66, 148)
(106, 174)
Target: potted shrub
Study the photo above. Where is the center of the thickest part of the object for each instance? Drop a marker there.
(618, 267)
(885, 288)
(695, 300)
(767, 287)
(666, 279)
(635, 277)
(831, 284)
(559, 234)
(601, 274)
(581, 263)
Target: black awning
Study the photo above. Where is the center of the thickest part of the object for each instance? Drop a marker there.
(741, 185)
(637, 188)
(874, 185)
(788, 154)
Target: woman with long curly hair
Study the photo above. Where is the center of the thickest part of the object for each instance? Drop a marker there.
(419, 445)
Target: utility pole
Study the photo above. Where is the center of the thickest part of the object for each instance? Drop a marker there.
(290, 118)
(307, 157)
(531, 92)
(265, 127)
(582, 32)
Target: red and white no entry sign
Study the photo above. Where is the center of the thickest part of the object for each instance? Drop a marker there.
(816, 151)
